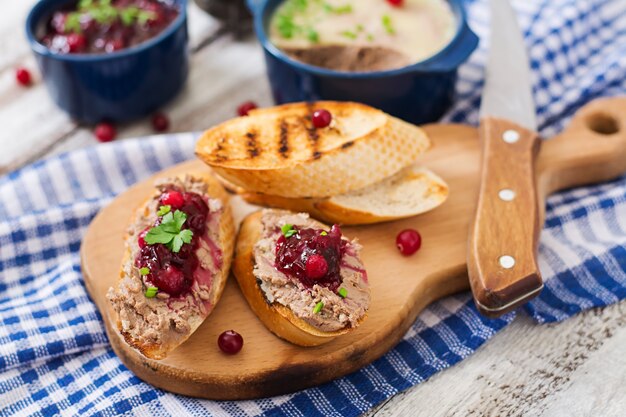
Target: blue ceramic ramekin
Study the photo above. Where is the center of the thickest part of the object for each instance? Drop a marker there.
(418, 93)
(120, 86)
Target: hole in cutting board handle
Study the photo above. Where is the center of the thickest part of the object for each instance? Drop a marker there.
(603, 124)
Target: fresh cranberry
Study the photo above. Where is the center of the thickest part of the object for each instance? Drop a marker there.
(105, 132)
(316, 266)
(172, 198)
(58, 22)
(408, 241)
(76, 42)
(141, 238)
(321, 118)
(230, 342)
(293, 255)
(114, 45)
(245, 108)
(171, 280)
(88, 24)
(197, 211)
(160, 122)
(395, 3)
(22, 75)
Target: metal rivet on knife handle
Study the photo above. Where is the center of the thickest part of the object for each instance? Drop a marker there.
(507, 261)
(510, 136)
(506, 194)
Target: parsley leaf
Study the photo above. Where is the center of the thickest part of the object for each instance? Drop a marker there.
(163, 210)
(183, 237)
(72, 23)
(179, 219)
(105, 13)
(348, 34)
(170, 232)
(388, 24)
(312, 35)
(128, 15)
(151, 292)
(144, 16)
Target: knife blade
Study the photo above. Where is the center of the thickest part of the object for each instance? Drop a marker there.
(507, 93)
(503, 239)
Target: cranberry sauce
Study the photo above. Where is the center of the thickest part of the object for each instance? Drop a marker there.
(104, 26)
(173, 272)
(313, 256)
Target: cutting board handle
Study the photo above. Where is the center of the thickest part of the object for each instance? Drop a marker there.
(591, 149)
(503, 237)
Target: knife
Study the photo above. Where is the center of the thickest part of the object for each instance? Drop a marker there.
(504, 234)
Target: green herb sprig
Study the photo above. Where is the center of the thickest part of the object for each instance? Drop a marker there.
(170, 232)
(388, 24)
(349, 34)
(318, 307)
(288, 28)
(346, 8)
(288, 230)
(163, 210)
(103, 12)
(151, 292)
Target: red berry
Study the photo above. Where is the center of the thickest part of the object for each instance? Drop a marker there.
(172, 198)
(408, 242)
(58, 22)
(114, 45)
(141, 238)
(244, 108)
(105, 132)
(76, 42)
(160, 122)
(321, 118)
(395, 3)
(170, 280)
(230, 342)
(22, 75)
(316, 266)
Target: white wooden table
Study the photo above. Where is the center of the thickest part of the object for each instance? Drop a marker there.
(575, 368)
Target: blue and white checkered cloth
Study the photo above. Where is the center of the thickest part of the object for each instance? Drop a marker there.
(54, 355)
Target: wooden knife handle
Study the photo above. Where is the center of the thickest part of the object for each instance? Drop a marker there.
(503, 237)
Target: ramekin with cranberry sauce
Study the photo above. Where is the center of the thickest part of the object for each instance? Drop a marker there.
(113, 60)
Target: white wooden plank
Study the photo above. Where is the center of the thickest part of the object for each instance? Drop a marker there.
(13, 45)
(573, 368)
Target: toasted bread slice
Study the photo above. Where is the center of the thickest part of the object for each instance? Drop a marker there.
(277, 151)
(277, 317)
(412, 191)
(156, 326)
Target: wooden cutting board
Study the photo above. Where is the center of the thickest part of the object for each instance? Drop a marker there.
(592, 149)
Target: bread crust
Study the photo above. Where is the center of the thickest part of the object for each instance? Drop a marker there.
(328, 161)
(278, 318)
(226, 243)
(331, 210)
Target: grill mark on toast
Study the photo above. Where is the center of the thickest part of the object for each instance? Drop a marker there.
(253, 148)
(347, 144)
(219, 150)
(283, 139)
(311, 132)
